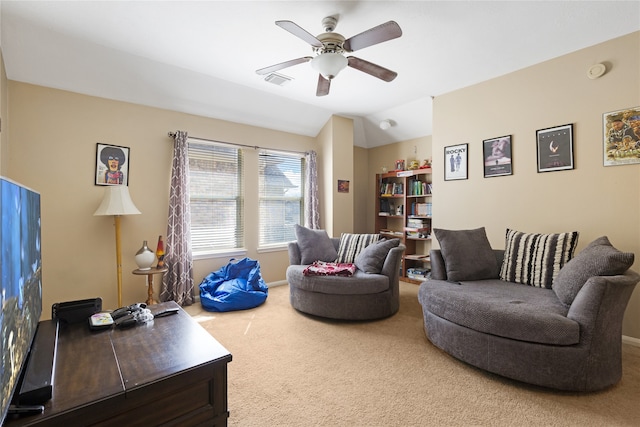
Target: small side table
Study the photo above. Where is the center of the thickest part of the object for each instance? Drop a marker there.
(149, 273)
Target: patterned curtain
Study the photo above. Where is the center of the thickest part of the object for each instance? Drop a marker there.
(311, 210)
(177, 283)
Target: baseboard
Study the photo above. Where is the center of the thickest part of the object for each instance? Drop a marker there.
(278, 283)
(631, 341)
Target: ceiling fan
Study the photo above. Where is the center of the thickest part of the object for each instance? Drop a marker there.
(330, 47)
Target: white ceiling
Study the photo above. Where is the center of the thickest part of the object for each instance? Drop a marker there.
(200, 57)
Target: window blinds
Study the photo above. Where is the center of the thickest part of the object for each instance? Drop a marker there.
(281, 196)
(216, 197)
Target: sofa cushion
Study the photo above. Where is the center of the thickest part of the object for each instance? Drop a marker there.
(360, 283)
(502, 309)
(536, 259)
(315, 245)
(599, 258)
(371, 259)
(467, 254)
(352, 244)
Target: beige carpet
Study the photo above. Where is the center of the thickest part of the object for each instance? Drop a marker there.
(290, 369)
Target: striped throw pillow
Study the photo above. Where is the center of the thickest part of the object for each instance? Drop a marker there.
(352, 244)
(536, 259)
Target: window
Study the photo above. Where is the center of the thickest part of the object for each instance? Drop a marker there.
(281, 196)
(216, 197)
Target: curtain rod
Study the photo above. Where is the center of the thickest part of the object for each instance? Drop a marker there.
(255, 147)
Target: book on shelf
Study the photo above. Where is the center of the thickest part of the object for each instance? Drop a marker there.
(419, 188)
(417, 223)
(420, 233)
(418, 273)
(385, 207)
(420, 209)
(391, 189)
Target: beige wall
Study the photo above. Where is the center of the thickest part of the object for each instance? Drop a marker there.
(360, 189)
(335, 158)
(592, 199)
(53, 138)
(4, 115)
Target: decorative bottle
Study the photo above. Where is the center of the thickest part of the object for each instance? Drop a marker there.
(160, 252)
(145, 257)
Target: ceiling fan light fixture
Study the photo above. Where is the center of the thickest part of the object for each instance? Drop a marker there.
(329, 64)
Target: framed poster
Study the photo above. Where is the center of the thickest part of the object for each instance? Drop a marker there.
(555, 148)
(621, 137)
(112, 165)
(456, 162)
(496, 153)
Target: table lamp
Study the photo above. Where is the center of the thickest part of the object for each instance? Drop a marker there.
(117, 202)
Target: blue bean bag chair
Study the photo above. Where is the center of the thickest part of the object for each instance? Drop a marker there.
(236, 286)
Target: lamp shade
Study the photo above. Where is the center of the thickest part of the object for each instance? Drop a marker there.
(329, 64)
(116, 201)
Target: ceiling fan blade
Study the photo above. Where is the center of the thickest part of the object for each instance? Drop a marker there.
(382, 33)
(299, 32)
(323, 86)
(371, 68)
(282, 65)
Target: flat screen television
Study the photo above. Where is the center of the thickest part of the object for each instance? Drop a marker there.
(21, 271)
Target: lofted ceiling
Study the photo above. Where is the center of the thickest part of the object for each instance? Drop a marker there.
(200, 57)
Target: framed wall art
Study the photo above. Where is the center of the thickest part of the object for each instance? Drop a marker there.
(555, 148)
(456, 162)
(621, 137)
(497, 156)
(112, 165)
(343, 186)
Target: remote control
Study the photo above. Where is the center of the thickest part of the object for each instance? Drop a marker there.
(166, 312)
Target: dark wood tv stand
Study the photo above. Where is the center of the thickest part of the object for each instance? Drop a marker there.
(169, 371)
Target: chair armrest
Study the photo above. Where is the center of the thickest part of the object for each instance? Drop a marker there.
(295, 258)
(391, 266)
(438, 269)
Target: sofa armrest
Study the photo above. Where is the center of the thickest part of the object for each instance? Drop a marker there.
(602, 302)
(295, 258)
(599, 309)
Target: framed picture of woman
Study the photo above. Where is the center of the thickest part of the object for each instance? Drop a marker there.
(112, 165)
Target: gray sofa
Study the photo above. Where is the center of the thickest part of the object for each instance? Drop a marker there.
(566, 337)
(363, 296)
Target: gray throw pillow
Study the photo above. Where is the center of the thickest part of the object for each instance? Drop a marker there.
(371, 259)
(599, 258)
(315, 245)
(467, 254)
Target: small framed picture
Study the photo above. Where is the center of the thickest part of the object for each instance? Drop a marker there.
(112, 165)
(343, 186)
(399, 165)
(497, 156)
(555, 148)
(456, 162)
(621, 137)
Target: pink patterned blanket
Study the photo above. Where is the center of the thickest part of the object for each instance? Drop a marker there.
(321, 268)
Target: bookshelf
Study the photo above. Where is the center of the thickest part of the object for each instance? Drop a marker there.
(403, 210)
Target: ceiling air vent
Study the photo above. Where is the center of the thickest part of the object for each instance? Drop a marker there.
(278, 79)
